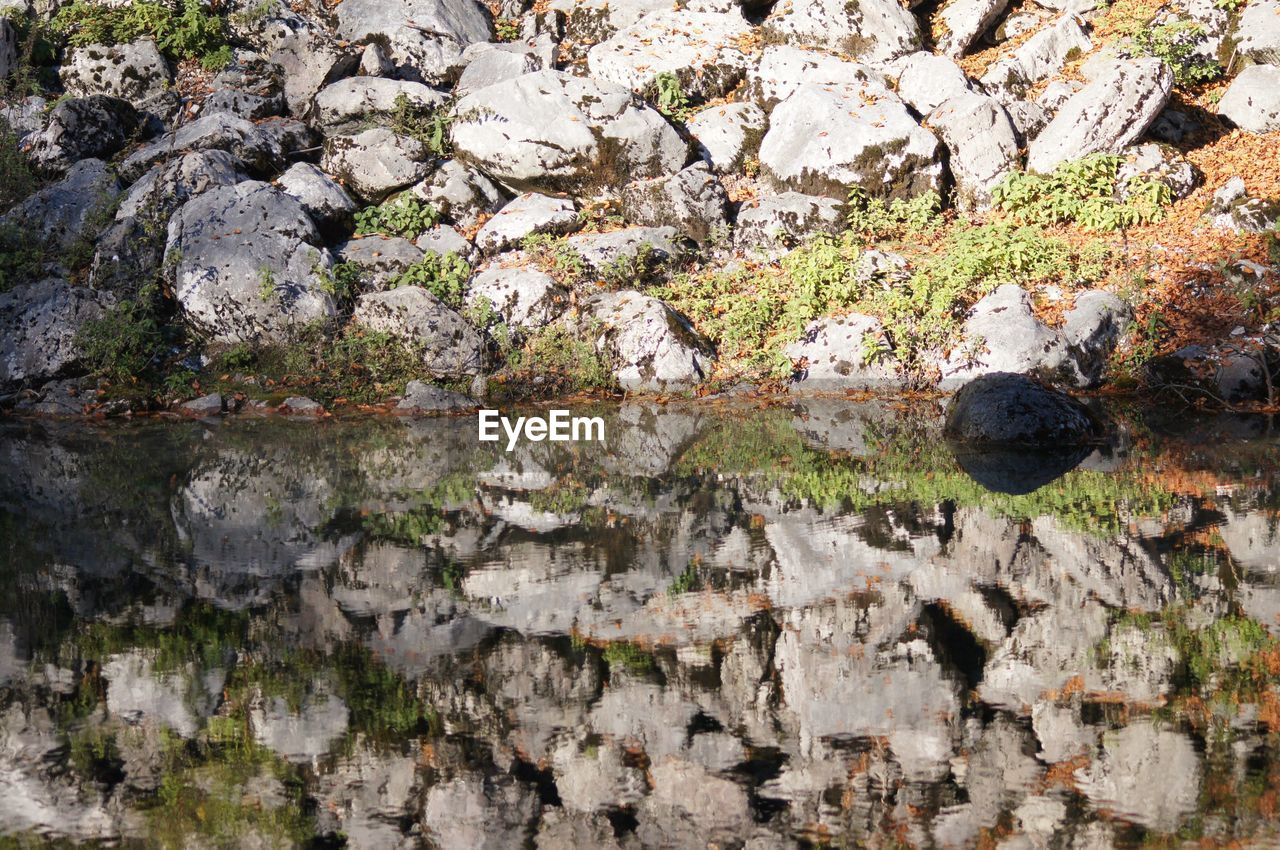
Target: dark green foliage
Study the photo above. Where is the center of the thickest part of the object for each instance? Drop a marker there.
(429, 125)
(404, 215)
(443, 275)
(192, 32)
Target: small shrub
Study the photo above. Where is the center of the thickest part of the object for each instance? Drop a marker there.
(567, 362)
(508, 29)
(266, 282)
(123, 343)
(342, 280)
(628, 270)
(668, 96)
(192, 32)
(1176, 43)
(555, 256)
(443, 275)
(874, 219)
(22, 259)
(17, 178)
(429, 125)
(1085, 192)
(405, 215)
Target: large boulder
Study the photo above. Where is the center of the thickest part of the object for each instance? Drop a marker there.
(981, 142)
(324, 200)
(528, 214)
(727, 134)
(246, 264)
(39, 324)
(649, 346)
(169, 184)
(1258, 32)
(925, 80)
(866, 30)
(489, 64)
(69, 213)
(1036, 59)
(357, 98)
(783, 68)
(460, 193)
(83, 127)
(448, 344)
(781, 222)
(553, 132)
(424, 38)
(692, 201)
(824, 140)
(375, 163)
(523, 298)
(843, 353)
(1105, 116)
(135, 72)
(704, 50)
(308, 57)
(1004, 408)
(255, 149)
(964, 21)
(1252, 101)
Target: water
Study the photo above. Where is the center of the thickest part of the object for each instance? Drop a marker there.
(766, 628)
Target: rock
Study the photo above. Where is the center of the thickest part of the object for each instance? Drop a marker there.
(250, 88)
(206, 405)
(1252, 101)
(1105, 116)
(245, 263)
(965, 21)
(81, 128)
(692, 201)
(1233, 371)
(420, 398)
(375, 163)
(326, 202)
(649, 346)
(381, 259)
(449, 345)
(640, 249)
(1158, 162)
(981, 142)
(602, 135)
(702, 49)
(866, 30)
(460, 193)
(134, 72)
(1259, 32)
(358, 98)
(528, 214)
(167, 185)
(824, 140)
(1233, 209)
(785, 220)
(782, 69)
(726, 135)
(424, 38)
(374, 61)
(39, 324)
(301, 406)
(1028, 118)
(843, 353)
(490, 64)
(256, 150)
(443, 239)
(524, 298)
(1038, 58)
(308, 57)
(1011, 339)
(1013, 409)
(25, 116)
(68, 214)
(925, 80)
(589, 22)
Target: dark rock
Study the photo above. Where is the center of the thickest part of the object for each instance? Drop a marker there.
(84, 127)
(420, 398)
(1007, 409)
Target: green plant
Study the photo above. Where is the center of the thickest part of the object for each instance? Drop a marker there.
(405, 215)
(1177, 44)
(565, 361)
(1085, 192)
(668, 96)
(628, 270)
(428, 124)
(17, 178)
(191, 32)
(874, 219)
(342, 280)
(122, 343)
(22, 259)
(508, 29)
(266, 282)
(443, 275)
(555, 256)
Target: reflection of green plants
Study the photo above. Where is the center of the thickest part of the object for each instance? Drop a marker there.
(566, 496)
(405, 215)
(629, 656)
(687, 582)
(1085, 192)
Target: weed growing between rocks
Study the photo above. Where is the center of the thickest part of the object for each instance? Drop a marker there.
(405, 215)
(192, 32)
(443, 275)
(18, 180)
(1086, 192)
(429, 125)
(554, 360)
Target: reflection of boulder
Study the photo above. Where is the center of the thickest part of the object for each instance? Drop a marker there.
(1146, 774)
(304, 735)
(138, 693)
(1014, 469)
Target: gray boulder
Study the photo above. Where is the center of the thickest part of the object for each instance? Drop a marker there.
(866, 30)
(1013, 409)
(135, 72)
(69, 213)
(1252, 101)
(727, 134)
(381, 259)
(692, 201)
(1036, 59)
(489, 64)
(357, 98)
(83, 127)
(245, 262)
(422, 398)
(925, 80)
(323, 199)
(965, 21)
(449, 345)
(39, 324)
(1233, 209)
(1258, 32)
(649, 346)
(423, 38)
(307, 56)
(981, 142)
(460, 193)
(528, 214)
(159, 192)
(375, 163)
(640, 249)
(824, 140)
(843, 353)
(784, 68)
(1234, 371)
(702, 49)
(1105, 116)
(783, 221)
(602, 135)
(1158, 162)
(523, 298)
(251, 88)
(589, 22)
(257, 151)
(443, 239)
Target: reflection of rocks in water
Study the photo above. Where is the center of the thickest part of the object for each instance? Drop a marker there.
(420, 641)
(1016, 470)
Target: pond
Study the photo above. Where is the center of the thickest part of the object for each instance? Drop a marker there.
(780, 627)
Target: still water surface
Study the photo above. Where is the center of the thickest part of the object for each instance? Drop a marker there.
(792, 627)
